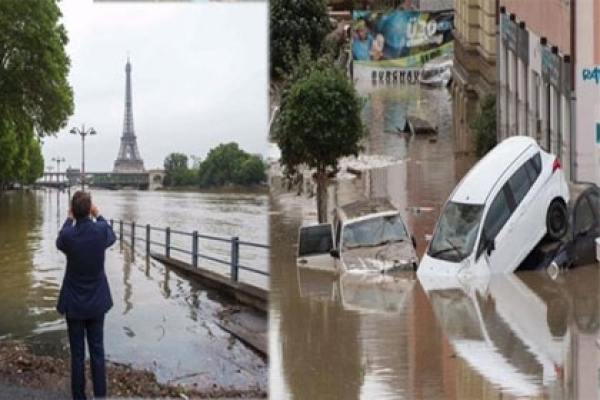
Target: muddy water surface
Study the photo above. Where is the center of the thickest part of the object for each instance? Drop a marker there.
(160, 321)
(519, 336)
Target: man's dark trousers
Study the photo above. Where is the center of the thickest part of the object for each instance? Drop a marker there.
(78, 330)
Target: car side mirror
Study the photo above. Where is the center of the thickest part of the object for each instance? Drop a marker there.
(335, 253)
(414, 241)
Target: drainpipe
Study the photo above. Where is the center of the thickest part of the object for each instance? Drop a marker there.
(498, 59)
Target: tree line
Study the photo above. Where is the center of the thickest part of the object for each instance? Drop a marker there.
(225, 164)
(36, 99)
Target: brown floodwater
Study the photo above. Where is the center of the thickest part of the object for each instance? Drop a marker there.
(159, 321)
(517, 336)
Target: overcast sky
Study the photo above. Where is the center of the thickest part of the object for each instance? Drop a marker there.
(199, 78)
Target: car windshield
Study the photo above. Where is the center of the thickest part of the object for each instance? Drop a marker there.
(456, 232)
(374, 232)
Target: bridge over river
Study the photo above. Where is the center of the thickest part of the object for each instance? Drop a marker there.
(151, 179)
(160, 321)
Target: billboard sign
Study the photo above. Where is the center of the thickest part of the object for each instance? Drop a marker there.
(391, 47)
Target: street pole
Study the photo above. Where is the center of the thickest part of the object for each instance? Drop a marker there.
(58, 160)
(83, 162)
(83, 133)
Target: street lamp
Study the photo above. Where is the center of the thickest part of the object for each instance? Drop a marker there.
(83, 133)
(49, 176)
(58, 160)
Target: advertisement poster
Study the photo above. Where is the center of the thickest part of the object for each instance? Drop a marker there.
(391, 47)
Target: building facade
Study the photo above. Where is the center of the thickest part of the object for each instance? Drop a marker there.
(548, 52)
(474, 73)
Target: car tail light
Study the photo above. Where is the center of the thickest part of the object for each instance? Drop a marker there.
(556, 164)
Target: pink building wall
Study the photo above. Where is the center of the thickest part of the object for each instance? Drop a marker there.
(547, 18)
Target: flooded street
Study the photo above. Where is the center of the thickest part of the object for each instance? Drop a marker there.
(331, 337)
(160, 321)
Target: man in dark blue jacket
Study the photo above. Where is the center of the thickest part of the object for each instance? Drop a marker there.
(85, 295)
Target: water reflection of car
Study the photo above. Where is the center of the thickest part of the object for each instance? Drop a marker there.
(370, 236)
(437, 72)
(512, 330)
(316, 284)
(578, 247)
(376, 293)
(504, 206)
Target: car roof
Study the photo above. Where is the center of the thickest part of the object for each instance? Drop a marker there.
(363, 208)
(476, 186)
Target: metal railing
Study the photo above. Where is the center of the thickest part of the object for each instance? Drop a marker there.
(128, 230)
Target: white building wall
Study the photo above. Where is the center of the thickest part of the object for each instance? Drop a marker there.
(502, 88)
(535, 86)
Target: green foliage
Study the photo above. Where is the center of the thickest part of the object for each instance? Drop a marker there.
(35, 167)
(228, 164)
(319, 120)
(304, 65)
(35, 66)
(35, 96)
(292, 24)
(176, 167)
(483, 126)
(251, 171)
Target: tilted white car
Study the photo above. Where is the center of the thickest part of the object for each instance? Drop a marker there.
(499, 212)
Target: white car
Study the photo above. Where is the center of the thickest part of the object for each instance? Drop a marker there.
(499, 212)
(370, 236)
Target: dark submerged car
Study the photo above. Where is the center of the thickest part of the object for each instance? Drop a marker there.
(578, 247)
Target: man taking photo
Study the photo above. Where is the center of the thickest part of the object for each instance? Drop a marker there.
(85, 294)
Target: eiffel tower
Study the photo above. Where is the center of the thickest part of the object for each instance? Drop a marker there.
(129, 159)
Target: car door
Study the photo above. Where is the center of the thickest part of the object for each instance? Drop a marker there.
(585, 228)
(495, 230)
(314, 245)
(524, 226)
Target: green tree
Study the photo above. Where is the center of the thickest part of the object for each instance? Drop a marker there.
(36, 99)
(176, 167)
(35, 164)
(252, 171)
(319, 121)
(228, 164)
(292, 24)
(8, 150)
(483, 126)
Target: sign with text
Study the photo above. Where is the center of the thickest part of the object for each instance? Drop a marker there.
(391, 47)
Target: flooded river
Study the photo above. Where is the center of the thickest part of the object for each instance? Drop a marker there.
(160, 321)
(517, 336)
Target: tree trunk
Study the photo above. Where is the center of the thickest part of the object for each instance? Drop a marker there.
(322, 198)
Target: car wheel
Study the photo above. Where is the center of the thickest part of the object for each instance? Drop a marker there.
(557, 220)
